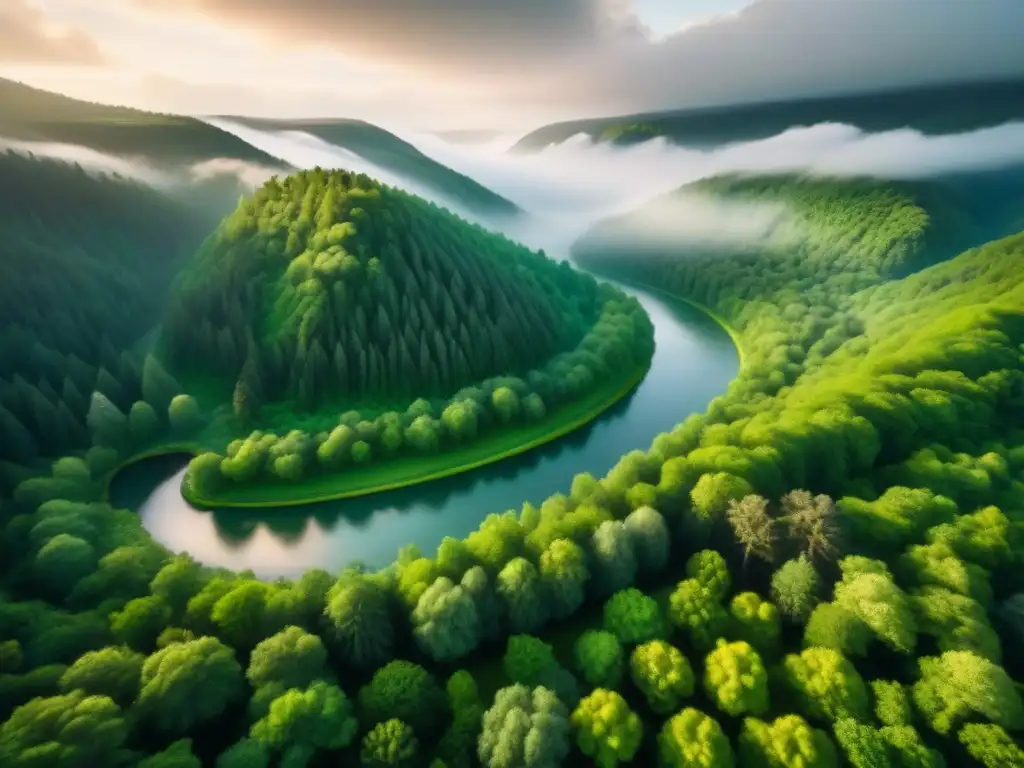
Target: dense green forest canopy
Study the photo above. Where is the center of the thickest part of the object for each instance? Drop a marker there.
(328, 287)
(387, 151)
(31, 114)
(929, 109)
(825, 569)
(85, 265)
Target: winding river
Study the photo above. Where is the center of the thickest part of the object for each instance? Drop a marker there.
(694, 361)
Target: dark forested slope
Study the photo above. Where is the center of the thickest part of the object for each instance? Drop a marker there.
(931, 110)
(31, 114)
(85, 262)
(387, 151)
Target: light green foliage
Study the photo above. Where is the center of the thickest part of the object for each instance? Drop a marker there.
(599, 658)
(414, 578)
(391, 744)
(938, 565)
(178, 755)
(187, 684)
(460, 418)
(403, 690)
(184, 415)
(563, 569)
(713, 492)
(506, 404)
(662, 674)
(239, 615)
(990, 745)
(756, 621)
(786, 742)
(613, 558)
(892, 703)
(293, 657)
(488, 606)
(898, 517)
(958, 622)
(735, 679)
(833, 626)
(246, 753)
(907, 749)
(70, 731)
(826, 685)
(607, 730)
(446, 624)
(795, 588)
(633, 617)
(527, 659)
(985, 537)
(359, 622)
(112, 672)
(691, 739)
(304, 721)
(863, 745)
(650, 537)
(876, 600)
(524, 729)
(958, 685)
(521, 590)
(709, 568)
(698, 613)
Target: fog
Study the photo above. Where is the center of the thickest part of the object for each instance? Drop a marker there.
(247, 175)
(566, 188)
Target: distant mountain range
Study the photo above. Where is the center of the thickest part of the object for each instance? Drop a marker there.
(175, 142)
(931, 110)
(384, 149)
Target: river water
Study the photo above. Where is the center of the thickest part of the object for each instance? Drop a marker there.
(694, 361)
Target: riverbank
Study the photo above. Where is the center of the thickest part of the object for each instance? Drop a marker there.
(413, 470)
(725, 325)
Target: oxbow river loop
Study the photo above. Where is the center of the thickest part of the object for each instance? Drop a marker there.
(694, 361)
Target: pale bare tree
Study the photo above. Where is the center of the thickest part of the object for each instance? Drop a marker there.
(752, 526)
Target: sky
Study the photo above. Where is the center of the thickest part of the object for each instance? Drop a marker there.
(494, 64)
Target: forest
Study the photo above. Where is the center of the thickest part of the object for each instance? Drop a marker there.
(822, 570)
(931, 109)
(387, 151)
(364, 308)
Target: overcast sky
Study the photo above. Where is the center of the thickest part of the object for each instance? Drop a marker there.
(504, 64)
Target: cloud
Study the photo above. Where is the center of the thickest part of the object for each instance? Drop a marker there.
(567, 188)
(573, 57)
(248, 175)
(27, 37)
(444, 35)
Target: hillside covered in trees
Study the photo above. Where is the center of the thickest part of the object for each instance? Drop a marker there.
(85, 263)
(31, 114)
(326, 294)
(385, 150)
(824, 570)
(933, 110)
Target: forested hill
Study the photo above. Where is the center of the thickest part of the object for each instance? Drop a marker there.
(386, 150)
(931, 110)
(329, 284)
(865, 229)
(31, 114)
(85, 263)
